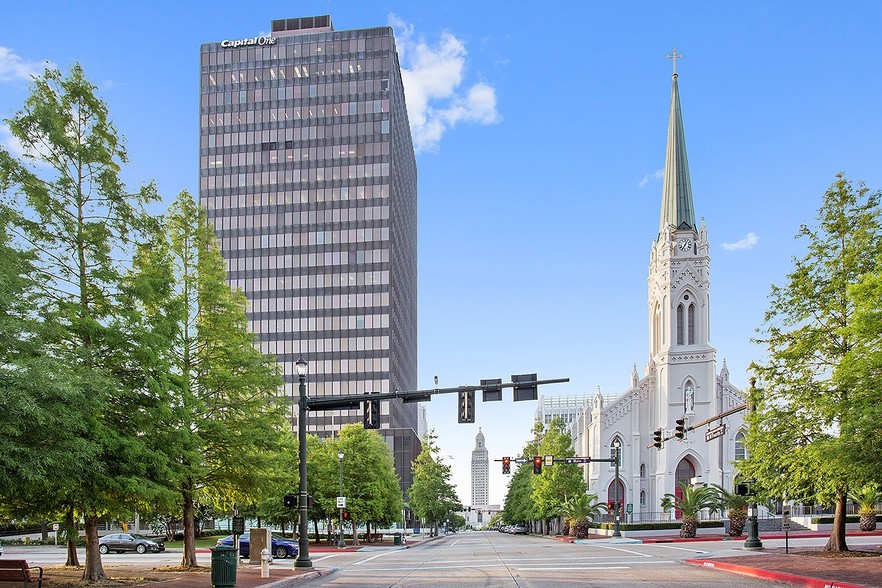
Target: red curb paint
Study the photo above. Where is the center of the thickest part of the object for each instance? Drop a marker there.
(782, 577)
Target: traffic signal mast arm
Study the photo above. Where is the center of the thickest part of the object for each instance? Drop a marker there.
(355, 400)
(723, 414)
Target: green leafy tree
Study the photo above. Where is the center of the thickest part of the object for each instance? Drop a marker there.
(551, 488)
(35, 387)
(519, 506)
(225, 426)
(692, 500)
(807, 435)
(87, 223)
(373, 492)
(432, 496)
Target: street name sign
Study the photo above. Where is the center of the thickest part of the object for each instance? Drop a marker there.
(715, 432)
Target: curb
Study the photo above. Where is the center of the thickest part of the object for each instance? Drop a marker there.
(294, 580)
(782, 577)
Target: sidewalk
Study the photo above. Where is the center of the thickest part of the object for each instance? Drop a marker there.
(793, 569)
(282, 572)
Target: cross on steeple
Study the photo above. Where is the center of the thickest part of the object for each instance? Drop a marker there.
(675, 56)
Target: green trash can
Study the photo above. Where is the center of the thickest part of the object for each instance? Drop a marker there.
(223, 566)
(397, 539)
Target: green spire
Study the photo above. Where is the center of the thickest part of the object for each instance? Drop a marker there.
(677, 211)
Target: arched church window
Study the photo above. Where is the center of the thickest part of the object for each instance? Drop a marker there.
(740, 450)
(643, 498)
(680, 319)
(616, 442)
(642, 470)
(691, 321)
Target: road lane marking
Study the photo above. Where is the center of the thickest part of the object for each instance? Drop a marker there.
(623, 550)
(358, 563)
(575, 568)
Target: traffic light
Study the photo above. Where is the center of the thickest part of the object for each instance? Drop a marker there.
(346, 515)
(680, 431)
(506, 465)
(371, 414)
(537, 464)
(466, 407)
(611, 506)
(742, 490)
(290, 501)
(657, 438)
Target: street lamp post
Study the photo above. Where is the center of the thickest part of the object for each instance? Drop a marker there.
(303, 560)
(753, 541)
(340, 541)
(617, 446)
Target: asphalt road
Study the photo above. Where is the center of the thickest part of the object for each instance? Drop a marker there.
(492, 559)
(466, 560)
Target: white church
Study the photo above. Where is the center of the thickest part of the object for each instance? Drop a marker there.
(680, 380)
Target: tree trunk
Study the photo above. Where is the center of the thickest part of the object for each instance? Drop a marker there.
(73, 559)
(355, 532)
(318, 538)
(188, 559)
(836, 542)
(94, 570)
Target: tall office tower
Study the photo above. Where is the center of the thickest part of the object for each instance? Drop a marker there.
(308, 174)
(480, 472)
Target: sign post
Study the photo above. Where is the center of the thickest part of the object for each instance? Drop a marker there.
(785, 526)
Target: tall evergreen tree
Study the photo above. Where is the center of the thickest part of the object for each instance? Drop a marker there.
(432, 496)
(551, 489)
(87, 222)
(810, 418)
(226, 421)
(373, 493)
(35, 388)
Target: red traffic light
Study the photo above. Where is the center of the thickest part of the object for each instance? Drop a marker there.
(506, 465)
(346, 515)
(537, 464)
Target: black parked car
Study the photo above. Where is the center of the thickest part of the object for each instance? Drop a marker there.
(120, 542)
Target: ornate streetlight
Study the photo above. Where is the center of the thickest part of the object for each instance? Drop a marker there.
(617, 447)
(340, 541)
(303, 560)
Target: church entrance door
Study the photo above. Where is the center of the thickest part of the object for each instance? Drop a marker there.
(684, 474)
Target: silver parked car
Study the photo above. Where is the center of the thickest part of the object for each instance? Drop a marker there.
(120, 542)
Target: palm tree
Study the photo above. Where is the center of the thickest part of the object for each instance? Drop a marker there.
(693, 500)
(578, 510)
(867, 499)
(737, 507)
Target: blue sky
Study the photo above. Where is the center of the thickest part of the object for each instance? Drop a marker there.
(541, 132)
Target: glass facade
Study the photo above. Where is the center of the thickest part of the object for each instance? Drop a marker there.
(308, 174)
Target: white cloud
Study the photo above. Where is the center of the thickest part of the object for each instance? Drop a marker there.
(659, 174)
(13, 67)
(747, 242)
(433, 79)
(9, 142)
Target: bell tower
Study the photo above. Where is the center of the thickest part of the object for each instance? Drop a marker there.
(679, 306)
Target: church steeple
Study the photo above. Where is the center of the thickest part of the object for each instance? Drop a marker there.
(677, 211)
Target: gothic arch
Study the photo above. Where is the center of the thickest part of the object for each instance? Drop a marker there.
(611, 491)
(740, 448)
